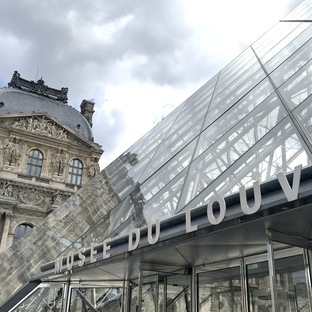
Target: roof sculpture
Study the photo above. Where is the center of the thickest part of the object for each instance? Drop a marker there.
(38, 88)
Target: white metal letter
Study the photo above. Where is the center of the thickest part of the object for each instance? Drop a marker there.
(93, 253)
(106, 248)
(222, 206)
(134, 232)
(290, 193)
(150, 238)
(257, 199)
(188, 224)
(58, 265)
(70, 261)
(81, 256)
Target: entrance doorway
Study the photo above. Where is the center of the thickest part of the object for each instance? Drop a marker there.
(231, 286)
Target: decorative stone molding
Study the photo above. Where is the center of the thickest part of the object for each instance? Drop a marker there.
(7, 190)
(42, 126)
(58, 198)
(31, 196)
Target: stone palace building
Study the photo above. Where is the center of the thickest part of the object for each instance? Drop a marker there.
(47, 153)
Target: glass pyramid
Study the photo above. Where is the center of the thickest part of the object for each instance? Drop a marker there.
(249, 122)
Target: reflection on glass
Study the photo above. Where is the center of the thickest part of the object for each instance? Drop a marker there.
(292, 294)
(46, 298)
(95, 299)
(259, 292)
(291, 285)
(282, 149)
(302, 112)
(220, 126)
(149, 298)
(295, 61)
(297, 88)
(134, 298)
(178, 298)
(230, 148)
(246, 84)
(232, 71)
(220, 291)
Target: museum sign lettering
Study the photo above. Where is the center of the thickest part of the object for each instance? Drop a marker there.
(91, 255)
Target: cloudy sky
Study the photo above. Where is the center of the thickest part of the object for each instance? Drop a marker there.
(137, 59)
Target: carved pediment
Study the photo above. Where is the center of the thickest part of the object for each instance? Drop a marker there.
(43, 126)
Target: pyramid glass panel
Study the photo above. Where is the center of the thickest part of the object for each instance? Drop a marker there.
(282, 33)
(281, 149)
(295, 49)
(298, 87)
(303, 113)
(243, 107)
(232, 146)
(247, 123)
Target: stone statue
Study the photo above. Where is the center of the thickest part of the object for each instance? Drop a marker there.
(59, 162)
(94, 167)
(11, 153)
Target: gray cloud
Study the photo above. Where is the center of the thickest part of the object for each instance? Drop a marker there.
(86, 45)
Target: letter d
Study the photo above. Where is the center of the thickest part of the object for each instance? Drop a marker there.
(134, 234)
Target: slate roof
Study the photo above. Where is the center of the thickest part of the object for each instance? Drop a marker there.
(14, 101)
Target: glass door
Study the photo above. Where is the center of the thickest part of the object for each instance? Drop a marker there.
(220, 290)
(178, 293)
(291, 284)
(259, 291)
(95, 299)
(292, 291)
(164, 294)
(150, 297)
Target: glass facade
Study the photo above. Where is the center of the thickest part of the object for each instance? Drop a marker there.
(248, 123)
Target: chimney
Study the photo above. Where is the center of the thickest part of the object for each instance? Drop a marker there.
(86, 109)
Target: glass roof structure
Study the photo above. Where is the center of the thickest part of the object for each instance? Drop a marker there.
(249, 122)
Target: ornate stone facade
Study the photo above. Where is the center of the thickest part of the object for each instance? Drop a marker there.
(43, 161)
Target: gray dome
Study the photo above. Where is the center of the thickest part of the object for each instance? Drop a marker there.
(20, 102)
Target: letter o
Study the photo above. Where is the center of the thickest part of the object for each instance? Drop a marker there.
(211, 218)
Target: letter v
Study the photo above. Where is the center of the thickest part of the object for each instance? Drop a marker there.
(291, 193)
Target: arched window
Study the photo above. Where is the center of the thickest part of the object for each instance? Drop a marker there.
(34, 163)
(75, 172)
(20, 231)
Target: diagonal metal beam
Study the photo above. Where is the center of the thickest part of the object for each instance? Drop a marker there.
(296, 21)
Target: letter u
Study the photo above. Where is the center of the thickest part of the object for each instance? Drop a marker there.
(150, 238)
(257, 197)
